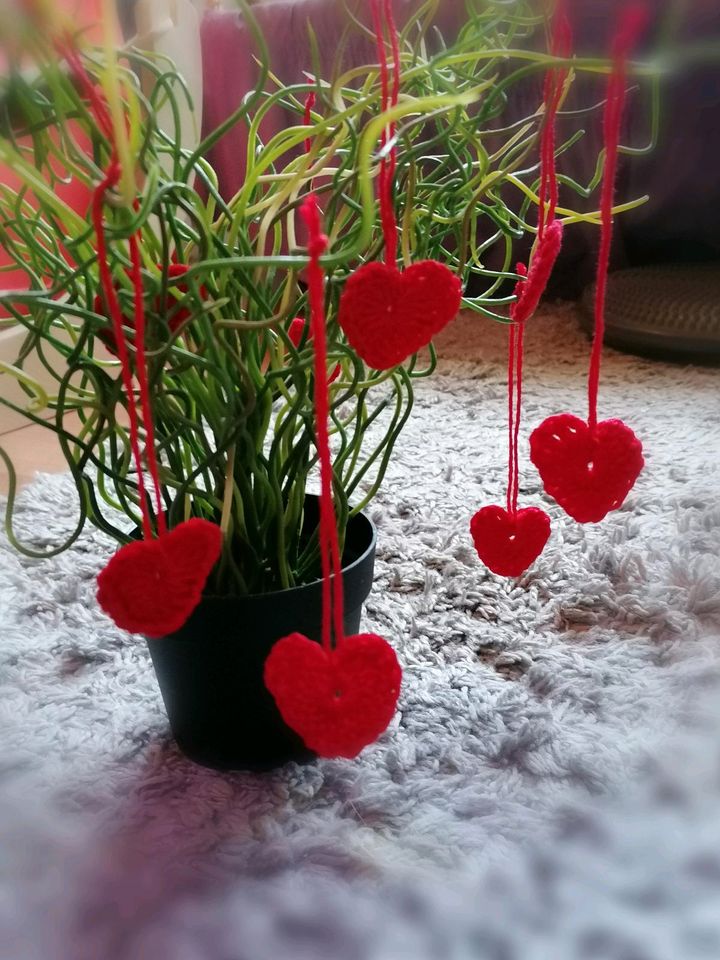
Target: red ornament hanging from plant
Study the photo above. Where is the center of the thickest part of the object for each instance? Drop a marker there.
(176, 314)
(149, 586)
(300, 330)
(340, 695)
(388, 315)
(589, 468)
(509, 540)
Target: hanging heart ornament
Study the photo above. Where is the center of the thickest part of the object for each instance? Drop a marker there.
(152, 586)
(338, 701)
(588, 472)
(509, 544)
(388, 315)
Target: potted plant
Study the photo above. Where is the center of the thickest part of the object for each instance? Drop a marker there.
(175, 324)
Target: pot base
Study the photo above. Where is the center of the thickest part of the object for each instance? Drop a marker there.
(211, 671)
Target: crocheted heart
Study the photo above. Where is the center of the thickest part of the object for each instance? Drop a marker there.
(175, 313)
(296, 332)
(530, 291)
(152, 586)
(388, 316)
(588, 474)
(338, 701)
(509, 544)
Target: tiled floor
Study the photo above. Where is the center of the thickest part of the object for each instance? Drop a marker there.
(31, 449)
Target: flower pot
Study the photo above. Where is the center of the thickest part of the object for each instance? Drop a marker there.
(211, 671)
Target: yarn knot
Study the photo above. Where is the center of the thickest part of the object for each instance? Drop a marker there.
(318, 245)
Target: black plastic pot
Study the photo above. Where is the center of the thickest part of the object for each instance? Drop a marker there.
(211, 671)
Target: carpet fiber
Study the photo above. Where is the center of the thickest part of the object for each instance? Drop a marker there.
(550, 787)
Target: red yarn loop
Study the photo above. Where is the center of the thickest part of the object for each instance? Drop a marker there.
(509, 541)
(307, 117)
(148, 586)
(388, 316)
(389, 99)
(103, 119)
(589, 468)
(561, 46)
(341, 695)
(113, 304)
(631, 22)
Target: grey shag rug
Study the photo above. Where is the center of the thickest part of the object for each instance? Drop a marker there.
(549, 790)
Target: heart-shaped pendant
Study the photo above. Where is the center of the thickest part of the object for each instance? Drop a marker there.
(152, 586)
(388, 315)
(338, 701)
(300, 328)
(589, 473)
(531, 290)
(509, 544)
(175, 313)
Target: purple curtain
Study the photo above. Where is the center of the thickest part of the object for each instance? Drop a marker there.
(681, 221)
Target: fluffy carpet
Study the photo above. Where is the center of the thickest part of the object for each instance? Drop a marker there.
(550, 787)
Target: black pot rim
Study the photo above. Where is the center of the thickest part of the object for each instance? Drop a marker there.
(358, 520)
(211, 671)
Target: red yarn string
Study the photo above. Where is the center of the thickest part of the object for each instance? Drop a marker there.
(519, 356)
(104, 121)
(389, 99)
(561, 47)
(331, 563)
(142, 376)
(307, 117)
(110, 181)
(631, 24)
(512, 348)
(99, 107)
(395, 91)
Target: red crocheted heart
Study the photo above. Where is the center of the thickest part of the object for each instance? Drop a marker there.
(338, 702)
(296, 332)
(531, 290)
(175, 314)
(388, 316)
(152, 586)
(588, 474)
(509, 544)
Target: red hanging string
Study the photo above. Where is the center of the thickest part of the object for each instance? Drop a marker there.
(98, 105)
(512, 349)
(560, 47)
(519, 359)
(147, 415)
(395, 90)
(631, 25)
(389, 99)
(307, 117)
(531, 288)
(103, 119)
(331, 562)
(110, 181)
